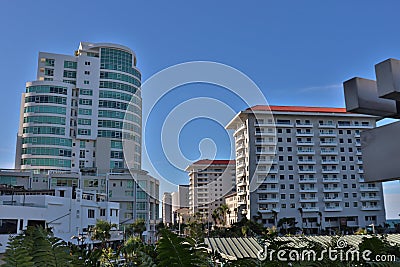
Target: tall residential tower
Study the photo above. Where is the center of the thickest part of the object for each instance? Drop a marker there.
(307, 163)
(72, 116)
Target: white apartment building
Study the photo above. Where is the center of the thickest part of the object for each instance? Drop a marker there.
(135, 191)
(167, 208)
(180, 201)
(78, 110)
(304, 163)
(209, 182)
(69, 213)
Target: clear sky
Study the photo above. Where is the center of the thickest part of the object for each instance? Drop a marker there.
(297, 52)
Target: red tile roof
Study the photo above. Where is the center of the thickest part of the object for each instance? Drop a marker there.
(214, 162)
(298, 109)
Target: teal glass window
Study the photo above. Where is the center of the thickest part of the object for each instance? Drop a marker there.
(84, 131)
(47, 151)
(87, 102)
(70, 65)
(44, 130)
(69, 74)
(45, 120)
(45, 109)
(84, 111)
(119, 76)
(49, 62)
(47, 89)
(86, 92)
(46, 162)
(53, 141)
(84, 121)
(46, 99)
(116, 144)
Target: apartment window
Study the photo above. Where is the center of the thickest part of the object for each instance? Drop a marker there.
(288, 131)
(90, 213)
(87, 72)
(342, 158)
(354, 194)
(291, 196)
(87, 63)
(292, 205)
(281, 167)
(345, 186)
(351, 158)
(289, 149)
(282, 177)
(342, 149)
(49, 72)
(346, 204)
(341, 140)
(348, 131)
(353, 186)
(289, 140)
(290, 167)
(352, 167)
(353, 176)
(291, 186)
(279, 139)
(346, 195)
(280, 149)
(82, 154)
(350, 149)
(85, 82)
(343, 168)
(280, 158)
(291, 177)
(283, 196)
(102, 212)
(283, 206)
(349, 141)
(279, 130)
(340, 131)
(282, 186)
(49, 62)
(290, 158)
(355, 204)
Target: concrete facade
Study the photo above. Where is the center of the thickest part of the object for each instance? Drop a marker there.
(306, 164)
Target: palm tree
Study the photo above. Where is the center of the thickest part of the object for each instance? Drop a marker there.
(102, 232)
(138, 227)
(223, 209)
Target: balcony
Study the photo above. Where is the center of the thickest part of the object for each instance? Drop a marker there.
(283, 124)
(332, 199)
(271, 181)
(330, 143)
(306, 161)
(360, 171)
(308, 190)
(329, 152)
(358, 144)
(240, 165)
(359, 162)
(272, 133)
(330, 180)
(327, 134)
(265, 152)
(370, 198)
(359, 153)
(332, 189)
(240, 173)
(310, 209)
(241, 128)
(368, 189)
(305, 171)
(240, 155)
(265, 210)
(267, 143)
(330, 171)
(309, 199)
(241, 183)
(304, 134)
(330, 162)
(305, 143)
(357, 135)
(240, 147)
(308, 180)
(305, 152)
(327, 125)
(268, 190)
(241, 192)
(266, 161)
(336, 208)
(368, 208)
(304, 125)
(268, 200)
(239, 137)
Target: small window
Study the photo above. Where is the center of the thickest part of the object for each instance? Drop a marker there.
(90, 213)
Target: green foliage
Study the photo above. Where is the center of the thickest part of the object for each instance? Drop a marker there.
(176, 251)
(37, 247)
(102, 231)
(17, 252)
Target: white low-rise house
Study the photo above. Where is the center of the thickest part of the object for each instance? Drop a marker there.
(69, 214)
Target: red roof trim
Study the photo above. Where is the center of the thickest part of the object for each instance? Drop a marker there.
(214, 162)
(298, 109)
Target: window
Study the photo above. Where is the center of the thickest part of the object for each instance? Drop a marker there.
(102, 212)
(355, 204)
(288, 131)
(8, 226)
(48, 72)
(283, 206)
(283, 196)
(282, 186)
(87, 72)
(346, 204)
(87, 63)
(291, 196)
(289, 149)
(70, 64)
(292, 205)
(289, 140)
(85, 82)
(346, 195)
(49, 62)
(291, 177)
(90, 213)
(291, 186)
(345, 186)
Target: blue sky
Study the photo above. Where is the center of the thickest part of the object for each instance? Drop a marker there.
(297, 52)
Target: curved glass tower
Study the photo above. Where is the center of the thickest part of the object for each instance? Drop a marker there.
(72, 116)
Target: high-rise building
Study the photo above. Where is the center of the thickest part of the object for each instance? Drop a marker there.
(209, 182)
(180, 201)
(167, 208)
(307, 165)
(72, 116)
